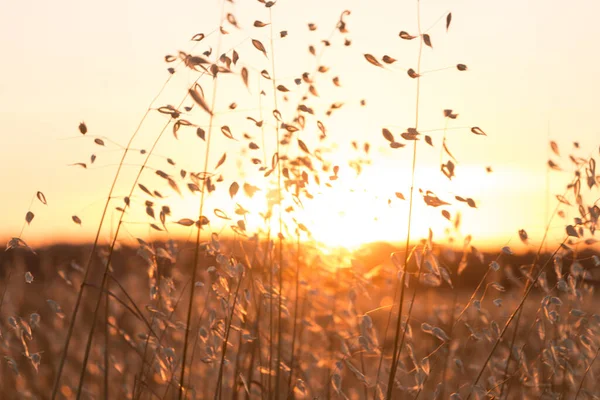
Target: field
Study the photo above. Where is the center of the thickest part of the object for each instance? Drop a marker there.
(296, 215)
(335, 331)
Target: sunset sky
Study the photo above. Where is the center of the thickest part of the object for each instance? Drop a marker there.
(532, 77)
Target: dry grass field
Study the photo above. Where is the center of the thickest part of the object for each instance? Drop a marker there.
(335, 333)
(212, 267)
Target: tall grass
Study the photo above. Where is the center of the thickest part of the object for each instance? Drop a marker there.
(199, 230)
(399, 332)
(271, 313)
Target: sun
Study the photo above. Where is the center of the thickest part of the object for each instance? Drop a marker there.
(345, 213)
(374, 206)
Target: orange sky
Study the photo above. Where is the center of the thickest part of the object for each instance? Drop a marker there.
(532, 77)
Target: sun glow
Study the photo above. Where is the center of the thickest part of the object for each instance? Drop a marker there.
(347, 210)
(352, 210)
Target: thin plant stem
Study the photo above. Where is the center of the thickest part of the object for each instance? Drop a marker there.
(458, 319)
(585, 374)
(271, 325)
(95, 245)
(434, 352)
(111, 250)
(409, 311)
(87, 268)
(517, 322)
(162, 334)
(295, 327)
(280, 213)
(107, 268)
(395, 354)
(239, 355)
(106, 343)
(362, 359)
(147, 342)
(331, 333)
(197, 335)
(387, 326)
(227, 331)
(292, 360)
(200, 211)
(120, 301)
(255, 347)
(510, 319)
(450, 333)
(268, 263)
